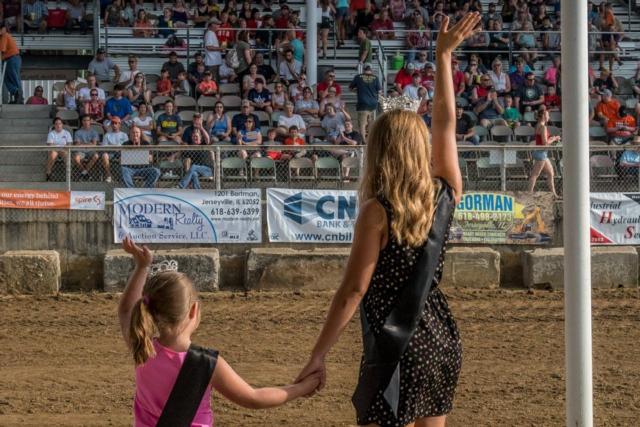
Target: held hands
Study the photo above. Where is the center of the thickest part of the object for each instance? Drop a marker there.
(141, 254)
(315, 367)
(450, 39)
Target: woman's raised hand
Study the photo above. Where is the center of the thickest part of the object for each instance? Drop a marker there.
(141, 254)
(450, 39)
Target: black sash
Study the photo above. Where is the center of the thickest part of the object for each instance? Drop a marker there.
(382, 352)
(187, 392)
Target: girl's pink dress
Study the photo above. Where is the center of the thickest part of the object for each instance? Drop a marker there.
(154, 381)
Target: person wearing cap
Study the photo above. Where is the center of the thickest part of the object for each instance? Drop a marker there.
(365, 50)
(459, 85)
(412, 90)
(404, 76)
(606, 81)
(196, 76)
(530, 96)
(608, 107)
(196, 157)
(367, 88)
(260, 96)
(238, 121)
(207, 86)
(149, 173)
(118, 105)
(113, 138)
(13, 61)
(212, 49)
(622, 129)
(328, 82)
(282, 18)
(464, 127)
(173, 66)
(169, 125)
(101, 67)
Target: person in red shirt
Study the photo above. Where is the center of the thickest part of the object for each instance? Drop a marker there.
(283, 20)
(404, 77)
(622, 128)
(328, 82)
(164, 86)
(294, 138)
(552, 100)
(427, 79)
(384, 24)
(225, 35)
(607, 109)
(207, 86)
(458, 77)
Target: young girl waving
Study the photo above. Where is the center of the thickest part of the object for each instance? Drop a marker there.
(157, 316)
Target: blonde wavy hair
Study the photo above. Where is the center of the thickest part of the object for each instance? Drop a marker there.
(398, 169)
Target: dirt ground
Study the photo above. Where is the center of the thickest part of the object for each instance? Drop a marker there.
(62, 361)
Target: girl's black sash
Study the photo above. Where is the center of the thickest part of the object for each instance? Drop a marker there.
(193, 379)
(382, 352)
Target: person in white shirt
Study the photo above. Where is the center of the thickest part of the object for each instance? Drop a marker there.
(57, 138)
(289, 119)
(127, 76)
(84, 94)
(412, 90)
(114, 138)
(213, 55)
(290, 69)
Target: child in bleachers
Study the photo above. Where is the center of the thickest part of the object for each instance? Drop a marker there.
(207, 86)
(164, 86)
(227, 73)
(511, 114)
(552, 100)
(182, 86)
(272, 152)
(69, 95)
(295, 139)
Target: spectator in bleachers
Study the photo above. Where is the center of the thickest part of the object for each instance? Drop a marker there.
(367, 88)
(35, 14)
(552, 101)
(244, 52)
(412, 90)
(182, 85)
(273, 152)
(294, 43)
(207, 86)
(611, 34)
(530, 96)
(76, 17)
(37, 98)
(188, 137)
(199, 162)
(137, 92)
(58, 137)
(290, 68)
(113, 138)
(295, 90)
(239, 120)
(195, 72)
(227, 74)
(523, 16)
(487, 106)
(606, 81)
(518, 77)
(365, 50)
(288, 119)
(131, 12)
(459, 86)
(212, 49)
(94, 106)
(551, 38)
(249, 79)
(333, 122)
(250, 136)
(201, 14)
(144, 120)
(327, 11)
(165, 23)
(526, 41)
(491, 15)
(541, 163)
(266, 37)
(480, 42)
(427, 79)
(219, 124)
(12, 14)
(164, 87)
(169, 125)
(498, 39)
(13, 62)
(415, 6)
(180, 14)
(365, 16)
(511, 114)
(328, 82)
(308, 108)
(142, 26)
(382, 26)
(404, 76)
(608, 107)
(68, 96)
(421, 61)
(342, 16)
(418, 38)
(260, 97)
(84, 94)
(102, 65)
(226, 36)
(265, 70)
(127, 76)
(279, 97)
(333, 99)
(149, 173)
(499, 78)
(551, 74)
(85, 136)
(173, 66)
(282, 17)
(509, 10)
(118, 105)
(294, 138)
(464, 127)
(114, 15)
(622, 130)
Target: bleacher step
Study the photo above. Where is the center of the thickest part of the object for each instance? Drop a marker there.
(24, 158)
(23, 139)
(22, 173)
(10, 111)
(15, 125)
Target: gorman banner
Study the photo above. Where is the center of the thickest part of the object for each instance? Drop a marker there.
(519, 218)
(305, 216)
(187, 216)
(615, 218)
(45, 199)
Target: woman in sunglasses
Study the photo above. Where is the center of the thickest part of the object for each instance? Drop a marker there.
(37, 98)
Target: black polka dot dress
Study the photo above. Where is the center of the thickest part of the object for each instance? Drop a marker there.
(430, 366)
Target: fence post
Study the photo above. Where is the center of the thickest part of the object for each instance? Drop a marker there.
(68, 161)
(503, 171)
(218, 173)
(510, 47)
(188, 46)
(96, 25)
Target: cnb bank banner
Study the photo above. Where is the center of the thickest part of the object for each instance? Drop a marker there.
(503, 218)
(615, 218)
(318, 216)
(187, 216)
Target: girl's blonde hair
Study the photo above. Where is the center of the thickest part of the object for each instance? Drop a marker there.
(166, 300)
(398, 169)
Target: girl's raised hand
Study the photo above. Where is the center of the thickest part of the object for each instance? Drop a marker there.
(141, 254)
(450, 39)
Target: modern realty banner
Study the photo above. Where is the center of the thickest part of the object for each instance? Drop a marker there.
(187, 216)
(45, 199)
(305, 216)
(504, 218)
(615, 218)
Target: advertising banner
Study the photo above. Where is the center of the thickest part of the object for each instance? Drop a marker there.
(504, 218)
(187, 216)
(615, 218)
(45, 199)
(306, 216)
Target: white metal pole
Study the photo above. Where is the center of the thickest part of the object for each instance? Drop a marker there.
(577, 250)
(311, 51)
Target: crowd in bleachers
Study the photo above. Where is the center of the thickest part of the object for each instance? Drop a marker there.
(252, 65)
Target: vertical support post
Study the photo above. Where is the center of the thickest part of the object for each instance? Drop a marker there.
(96, 25)
(311, 51)
(503, 171)
(218, 172)
(68, 165)
(577, 250)
(188, 46)
(385, 73)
